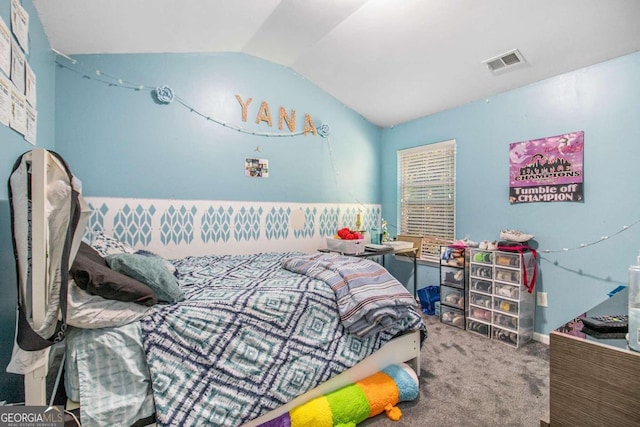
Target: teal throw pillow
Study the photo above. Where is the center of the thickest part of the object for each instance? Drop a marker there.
(150, 271)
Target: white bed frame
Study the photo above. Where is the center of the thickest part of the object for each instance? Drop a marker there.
(405, 348)
(35, 382)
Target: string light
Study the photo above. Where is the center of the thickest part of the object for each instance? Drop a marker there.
(116, 81)
(335, 175)
(167, 95)
(584, 245)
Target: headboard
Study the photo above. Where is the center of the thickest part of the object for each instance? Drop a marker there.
(178, 228)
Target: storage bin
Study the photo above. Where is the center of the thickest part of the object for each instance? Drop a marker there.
(480, 328)
(348, 247)
(506, 290)
(481, 300)
(480, 285)
(452, 276)
(508, 260)
(505, 321)
(452, 296)
(505, 306)
(452, 256)
(506, 275)
(452, 316)
(506, 336)
(478, 313)
(482, 271)
(480, 256)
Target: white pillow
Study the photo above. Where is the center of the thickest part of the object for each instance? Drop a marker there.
(92, 311)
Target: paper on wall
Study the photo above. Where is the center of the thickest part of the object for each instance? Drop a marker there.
(18, 120)
(30, 85)
(5, 100)
(17, 66)
(5, 48)
(31, 124)
(20, 24)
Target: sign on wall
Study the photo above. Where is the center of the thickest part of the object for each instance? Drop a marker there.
(547, 169)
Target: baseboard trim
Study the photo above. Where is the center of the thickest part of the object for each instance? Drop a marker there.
(541, 338)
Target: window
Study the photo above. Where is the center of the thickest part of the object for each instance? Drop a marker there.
(427, 181)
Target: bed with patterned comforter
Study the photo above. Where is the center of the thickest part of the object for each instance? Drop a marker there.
(249, 337)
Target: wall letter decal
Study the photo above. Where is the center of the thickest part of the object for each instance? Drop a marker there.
(291, 121)
(244, 107)
(309, 126)
(263, 114)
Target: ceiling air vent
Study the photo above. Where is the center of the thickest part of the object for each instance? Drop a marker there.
(504, 61)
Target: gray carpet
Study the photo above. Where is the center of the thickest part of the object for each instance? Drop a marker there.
(468, 380)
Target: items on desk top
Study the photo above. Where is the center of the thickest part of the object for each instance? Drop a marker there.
(399, 244)
(346, 241)
(375, 247)
(604, 335)
(347, 234)
(610, 323)
(385, 231)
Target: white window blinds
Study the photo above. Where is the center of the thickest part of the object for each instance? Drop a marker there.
(427, 181)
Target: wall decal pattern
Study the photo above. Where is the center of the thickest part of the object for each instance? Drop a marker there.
(178, 228)
(247, 223)
(133, 225)
(329, 221)
(309, 224)
(177, 225)
(216, 225)
(277, 226)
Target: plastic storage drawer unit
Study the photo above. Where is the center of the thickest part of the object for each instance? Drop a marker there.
(452, 316)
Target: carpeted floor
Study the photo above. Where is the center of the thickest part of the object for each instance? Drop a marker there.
(468, 380)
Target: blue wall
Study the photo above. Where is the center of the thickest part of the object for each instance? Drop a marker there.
(12, 145)
(604, 102)
(122, 143)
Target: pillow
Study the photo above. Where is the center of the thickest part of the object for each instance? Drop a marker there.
(92, 274)
(167, 264)
(88, 311)
(150, 271)
(107, 245)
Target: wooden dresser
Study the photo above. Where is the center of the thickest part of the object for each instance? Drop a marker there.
(593, 382)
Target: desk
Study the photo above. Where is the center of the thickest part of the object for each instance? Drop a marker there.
(593, 382)
(408, 252)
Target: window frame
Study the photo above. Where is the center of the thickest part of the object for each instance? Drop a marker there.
(442, 181)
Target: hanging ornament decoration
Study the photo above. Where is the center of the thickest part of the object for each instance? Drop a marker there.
(324, 130)
(164, 94)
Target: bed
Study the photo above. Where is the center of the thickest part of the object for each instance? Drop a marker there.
(233, 340)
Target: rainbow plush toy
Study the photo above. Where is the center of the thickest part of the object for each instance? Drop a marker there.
(354, 403)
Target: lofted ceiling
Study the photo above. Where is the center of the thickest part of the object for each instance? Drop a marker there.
(390, 60)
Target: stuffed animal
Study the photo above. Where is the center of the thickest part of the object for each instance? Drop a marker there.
(354, 403)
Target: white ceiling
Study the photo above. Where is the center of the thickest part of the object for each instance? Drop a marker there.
(390, 60)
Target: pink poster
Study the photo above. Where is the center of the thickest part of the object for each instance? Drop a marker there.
(547, 169)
